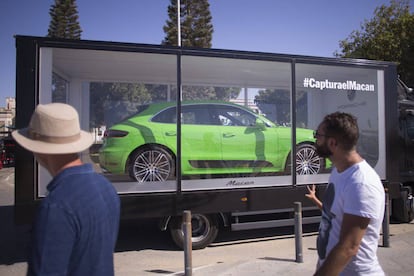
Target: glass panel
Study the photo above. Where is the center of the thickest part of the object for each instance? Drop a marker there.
(116, 95)
(323, 89)
(138, 149)
(128, 144)
(59, 89)
(236, 118)
(230, 129)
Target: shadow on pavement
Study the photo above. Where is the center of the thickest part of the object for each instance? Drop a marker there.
(134, 235)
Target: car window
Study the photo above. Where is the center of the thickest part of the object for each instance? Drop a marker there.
(190, 114)
(188, 117)
(233, 116)
(199, 114)
(168, 116)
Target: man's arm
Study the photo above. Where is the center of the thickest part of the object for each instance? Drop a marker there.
(352, 230)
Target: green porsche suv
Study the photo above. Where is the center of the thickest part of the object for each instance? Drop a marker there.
(217, 138)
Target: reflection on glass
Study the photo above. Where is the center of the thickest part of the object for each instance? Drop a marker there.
(59, 89)
(235, 114)
(227, 130)
(323, 89)
(113, 102)
(219, 139)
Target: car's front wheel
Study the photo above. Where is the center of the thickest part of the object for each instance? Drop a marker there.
(151, 163)
(307, 160)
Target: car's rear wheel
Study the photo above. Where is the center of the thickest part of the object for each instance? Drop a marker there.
(204, 230)
(151, 163)
(307, 161)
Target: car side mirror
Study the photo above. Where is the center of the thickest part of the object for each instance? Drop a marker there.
(260, 124)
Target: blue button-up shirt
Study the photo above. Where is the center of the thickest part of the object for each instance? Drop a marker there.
(77, 225)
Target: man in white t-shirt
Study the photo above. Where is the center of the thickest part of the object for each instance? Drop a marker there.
(353, 204)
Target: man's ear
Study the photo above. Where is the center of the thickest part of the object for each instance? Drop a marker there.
(332, 143)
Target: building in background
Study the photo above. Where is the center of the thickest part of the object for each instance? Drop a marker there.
(7, 115)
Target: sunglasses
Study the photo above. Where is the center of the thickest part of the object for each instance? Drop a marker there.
(316, 135)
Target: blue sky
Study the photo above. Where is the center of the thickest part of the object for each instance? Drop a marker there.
(306, 27)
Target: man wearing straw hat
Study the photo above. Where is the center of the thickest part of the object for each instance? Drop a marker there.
(77, 223)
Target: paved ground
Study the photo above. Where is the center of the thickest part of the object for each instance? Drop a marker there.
(6, 186)
(395, 260)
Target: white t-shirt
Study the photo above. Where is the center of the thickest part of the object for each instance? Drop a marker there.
(357, 191)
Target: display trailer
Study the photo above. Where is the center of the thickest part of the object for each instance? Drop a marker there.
(227, 135)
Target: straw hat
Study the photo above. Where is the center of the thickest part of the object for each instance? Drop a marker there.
(54, 129)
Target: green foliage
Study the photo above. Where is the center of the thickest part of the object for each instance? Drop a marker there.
(279, 101)
(196, 31)
(388, 36)
(112, 102)
(64, 20)
(209, 93)
(196, 26)
(226, 93)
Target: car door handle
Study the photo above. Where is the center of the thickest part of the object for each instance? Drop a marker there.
(171, 133)
(228, 135)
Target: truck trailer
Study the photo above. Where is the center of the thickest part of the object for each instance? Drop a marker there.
(225, 134)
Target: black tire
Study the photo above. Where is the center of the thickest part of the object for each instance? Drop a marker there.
(151, 163)
(204, 230)
(307, 161)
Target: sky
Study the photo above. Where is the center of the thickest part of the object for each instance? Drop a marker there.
(303, 27)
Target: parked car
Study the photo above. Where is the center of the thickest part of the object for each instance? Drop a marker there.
(7, 149)
(217, 138)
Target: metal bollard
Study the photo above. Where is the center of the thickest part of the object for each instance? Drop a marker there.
(386, 222)
(298, 232)
(188, 247)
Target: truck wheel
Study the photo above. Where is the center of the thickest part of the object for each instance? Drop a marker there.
(307, 160)
(204, 230)
(151, 163)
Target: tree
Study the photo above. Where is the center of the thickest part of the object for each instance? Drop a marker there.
(64, 20)
(196, 31)
(275, 104)
(388, 36)
(113, 102)
(196, 26)
(63, 24)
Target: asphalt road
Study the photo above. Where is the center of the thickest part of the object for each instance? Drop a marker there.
(6, 186)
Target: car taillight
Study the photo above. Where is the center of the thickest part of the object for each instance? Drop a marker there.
(110, 133)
